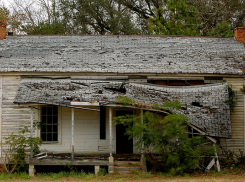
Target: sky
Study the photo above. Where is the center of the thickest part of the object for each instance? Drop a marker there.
(5, 2)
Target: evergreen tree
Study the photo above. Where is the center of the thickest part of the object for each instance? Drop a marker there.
(174, 18)
(45, 28)
(219, 13)
(97, 17)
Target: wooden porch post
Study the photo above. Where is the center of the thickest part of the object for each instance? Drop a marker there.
(72, 133)
(143, 159)
(110, 126)
(31, 135)
(111, 159)
(142, 146)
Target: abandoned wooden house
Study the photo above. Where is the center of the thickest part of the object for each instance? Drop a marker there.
(71, 83)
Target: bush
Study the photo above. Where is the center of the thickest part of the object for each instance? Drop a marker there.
(176, 153)
(102, 172)
(15, 149)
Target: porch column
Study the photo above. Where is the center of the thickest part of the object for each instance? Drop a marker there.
(72, 133)
(31, 135)
(143, 159)
(111, 159)
(142, 122)
(110, 126)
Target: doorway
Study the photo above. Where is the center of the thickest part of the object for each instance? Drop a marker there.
(123, 144)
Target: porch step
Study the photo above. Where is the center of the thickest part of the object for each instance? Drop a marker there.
(127, 167)
(127, 164)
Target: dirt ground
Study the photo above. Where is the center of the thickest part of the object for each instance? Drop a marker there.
(148, 178)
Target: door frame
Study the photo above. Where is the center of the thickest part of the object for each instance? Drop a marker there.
(122, 109)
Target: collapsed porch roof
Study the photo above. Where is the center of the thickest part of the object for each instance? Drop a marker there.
(204, 105)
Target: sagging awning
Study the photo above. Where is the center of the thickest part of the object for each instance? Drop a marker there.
(204, 105)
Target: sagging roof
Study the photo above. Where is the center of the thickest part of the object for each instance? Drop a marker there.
(121, 54)
(204, 105)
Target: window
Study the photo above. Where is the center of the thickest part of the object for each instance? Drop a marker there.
(180, 82)
(49, 119)
(102, 123)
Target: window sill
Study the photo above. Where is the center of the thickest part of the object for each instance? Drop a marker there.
(50, 142)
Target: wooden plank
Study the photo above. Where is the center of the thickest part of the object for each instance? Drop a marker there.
(238, 135)
(31, 134)
(1, 96)
(64, 162)
(72, 133)
(241, 129)
(110, 127)
(243, 118)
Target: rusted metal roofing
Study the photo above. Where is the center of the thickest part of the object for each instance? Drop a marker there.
(121, 54)
(204, 105)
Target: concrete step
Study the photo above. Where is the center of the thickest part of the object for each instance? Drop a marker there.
(127, 168)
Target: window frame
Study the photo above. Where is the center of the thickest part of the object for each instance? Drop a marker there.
(58, 125)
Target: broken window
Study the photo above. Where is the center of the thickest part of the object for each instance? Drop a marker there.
(192, 132)
(49, 119)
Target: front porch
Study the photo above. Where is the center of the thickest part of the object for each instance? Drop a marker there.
(79, 141)
(121, 163)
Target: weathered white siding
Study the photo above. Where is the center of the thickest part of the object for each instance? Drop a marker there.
(237, 119)
(14, 117)
(86, 133)
(1, 81)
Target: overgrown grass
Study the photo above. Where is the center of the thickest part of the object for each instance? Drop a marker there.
(45, 176)
(6, 176)
(54, 176)
(73, 176)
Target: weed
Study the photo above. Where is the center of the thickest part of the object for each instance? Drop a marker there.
(117, 176)
(147, 175)
(59, 175)
(187, 176)
(6, 176)
(24, 175)
(79, 175)
(89, 176)
(102, 172)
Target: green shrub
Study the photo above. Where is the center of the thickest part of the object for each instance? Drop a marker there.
(168, 135)
(102, 172)
(15, 148)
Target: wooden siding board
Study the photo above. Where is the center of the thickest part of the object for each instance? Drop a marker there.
(1, 97)
(237, 119)
(86, 132)
(12, 114)
(243, 119)
(13, 117)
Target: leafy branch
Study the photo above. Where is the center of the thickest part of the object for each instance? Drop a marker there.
(15, 148)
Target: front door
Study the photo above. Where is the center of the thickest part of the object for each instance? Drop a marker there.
(123, 144)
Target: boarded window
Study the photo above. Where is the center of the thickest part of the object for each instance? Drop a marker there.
(49, 119)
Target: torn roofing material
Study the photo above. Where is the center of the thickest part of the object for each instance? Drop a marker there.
(121, 54)
(204, 105)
